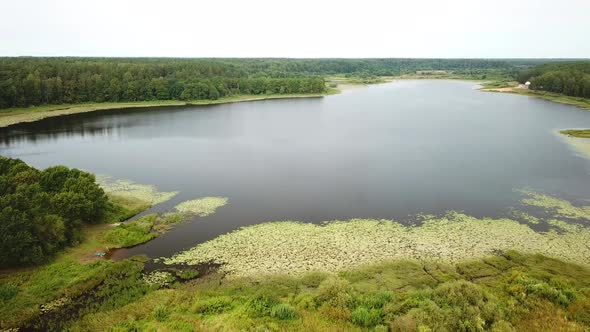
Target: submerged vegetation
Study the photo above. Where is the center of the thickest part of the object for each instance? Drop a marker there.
(202, 207)
(126, 189)
(295, 247)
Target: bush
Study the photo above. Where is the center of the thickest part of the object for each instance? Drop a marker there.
(214, 305)
(161, 313)
(41, 212)
(335, 292)
(260, 306)
(366, 317)
(283, 311)
(377, 300)
(187, 274)
(7, 291)
(523, 286)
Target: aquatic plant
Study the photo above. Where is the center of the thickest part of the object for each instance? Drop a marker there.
(556, 207)
(202, 207)
(142, 192)
(295, 247)
(158, 278)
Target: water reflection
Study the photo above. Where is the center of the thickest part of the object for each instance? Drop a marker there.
(387, 151)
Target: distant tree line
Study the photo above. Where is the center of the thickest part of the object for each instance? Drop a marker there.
(569, 78)
(41, 212)
(27, 81)
(38, 81)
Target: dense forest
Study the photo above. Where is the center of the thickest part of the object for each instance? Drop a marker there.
(28, 81)
(42, 212)
(569, 78)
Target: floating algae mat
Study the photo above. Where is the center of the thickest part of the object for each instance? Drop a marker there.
(202, 207)
(295, 247)
(146, 193)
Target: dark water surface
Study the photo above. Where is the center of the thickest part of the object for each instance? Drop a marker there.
(385, 151)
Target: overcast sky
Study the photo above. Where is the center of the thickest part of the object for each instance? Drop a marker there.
(298, 28)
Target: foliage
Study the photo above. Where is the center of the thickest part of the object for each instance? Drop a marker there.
(133, 232)
(41, 212)
(283, 311)
(569, 78)
(365, 317)
(187, 274)
(161, 313)
(336, 245)
(582, 133)
(213, 305)
(39, 81)
(8, 291)
(517, 291)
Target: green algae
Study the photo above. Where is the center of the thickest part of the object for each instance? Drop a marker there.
(294, 247)
(202, 207)
(525, 217)
(557, 208)
(141, 192)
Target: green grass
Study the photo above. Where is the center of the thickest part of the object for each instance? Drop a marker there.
(581, 133)
(132, 233)
(507, 292)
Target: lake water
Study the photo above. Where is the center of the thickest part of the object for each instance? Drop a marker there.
(385, 151)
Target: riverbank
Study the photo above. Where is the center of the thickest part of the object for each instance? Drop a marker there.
(14, 116)
(555, 97)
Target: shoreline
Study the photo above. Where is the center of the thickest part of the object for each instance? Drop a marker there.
(14, 116)
(550, 96)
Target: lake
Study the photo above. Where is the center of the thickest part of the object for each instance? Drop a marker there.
(385, 151)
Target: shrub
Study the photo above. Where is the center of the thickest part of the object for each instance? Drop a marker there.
(523, 286)
(161, 313)
(377, 300)
(180, 326)
(260, 306)
(7, 291)
(188, 274)
(366, 317)
(283, 311)
(335, 292)
(214, 305)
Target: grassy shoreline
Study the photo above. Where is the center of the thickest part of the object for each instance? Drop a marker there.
(555, 97)
(337, 84)
(14, 116)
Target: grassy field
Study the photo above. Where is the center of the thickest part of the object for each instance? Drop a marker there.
(13, 116)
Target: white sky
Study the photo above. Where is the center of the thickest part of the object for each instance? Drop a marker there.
(301, 28)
